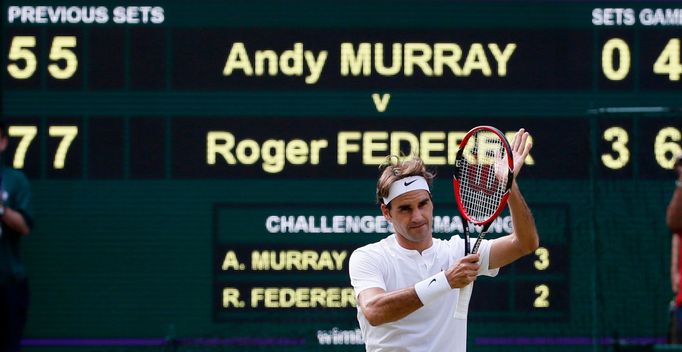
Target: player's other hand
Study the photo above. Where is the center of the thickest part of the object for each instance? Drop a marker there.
(464, 271)
(520, 147)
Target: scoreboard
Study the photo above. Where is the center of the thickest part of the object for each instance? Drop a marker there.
(203, 170)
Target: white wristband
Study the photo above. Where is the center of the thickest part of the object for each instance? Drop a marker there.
(430, 289)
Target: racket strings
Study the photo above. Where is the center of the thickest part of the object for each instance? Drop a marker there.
(483, 176)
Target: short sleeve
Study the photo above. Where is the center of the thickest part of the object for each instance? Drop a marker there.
(365, 271)
(484, 269)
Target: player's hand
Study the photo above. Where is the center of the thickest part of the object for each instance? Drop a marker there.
(520, 147)
(464, 271)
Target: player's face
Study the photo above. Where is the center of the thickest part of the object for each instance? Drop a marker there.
(412, 217)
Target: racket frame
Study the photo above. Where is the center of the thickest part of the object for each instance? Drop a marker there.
(456, 183)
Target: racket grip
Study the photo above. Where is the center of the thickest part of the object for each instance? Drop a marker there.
(476, 245)
(467, 247)
(462, 309)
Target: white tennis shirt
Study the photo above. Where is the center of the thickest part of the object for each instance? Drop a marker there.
(387, 265)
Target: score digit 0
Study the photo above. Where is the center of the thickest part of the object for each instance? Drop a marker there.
(615, 47)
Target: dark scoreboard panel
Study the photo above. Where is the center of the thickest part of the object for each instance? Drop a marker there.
(536, 288)
(203, 170)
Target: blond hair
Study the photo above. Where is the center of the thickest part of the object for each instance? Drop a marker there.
(395, 168)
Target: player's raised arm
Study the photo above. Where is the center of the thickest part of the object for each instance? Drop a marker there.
(524, 239)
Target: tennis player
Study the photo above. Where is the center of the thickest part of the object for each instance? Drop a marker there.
(407, 285)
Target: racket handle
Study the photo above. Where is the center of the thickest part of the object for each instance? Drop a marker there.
(462, 309)
(467, 248)
(478, 240)
(476, 245)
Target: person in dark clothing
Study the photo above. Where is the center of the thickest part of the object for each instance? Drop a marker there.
(16, 221)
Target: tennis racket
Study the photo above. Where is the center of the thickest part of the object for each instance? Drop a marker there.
(484, 171)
